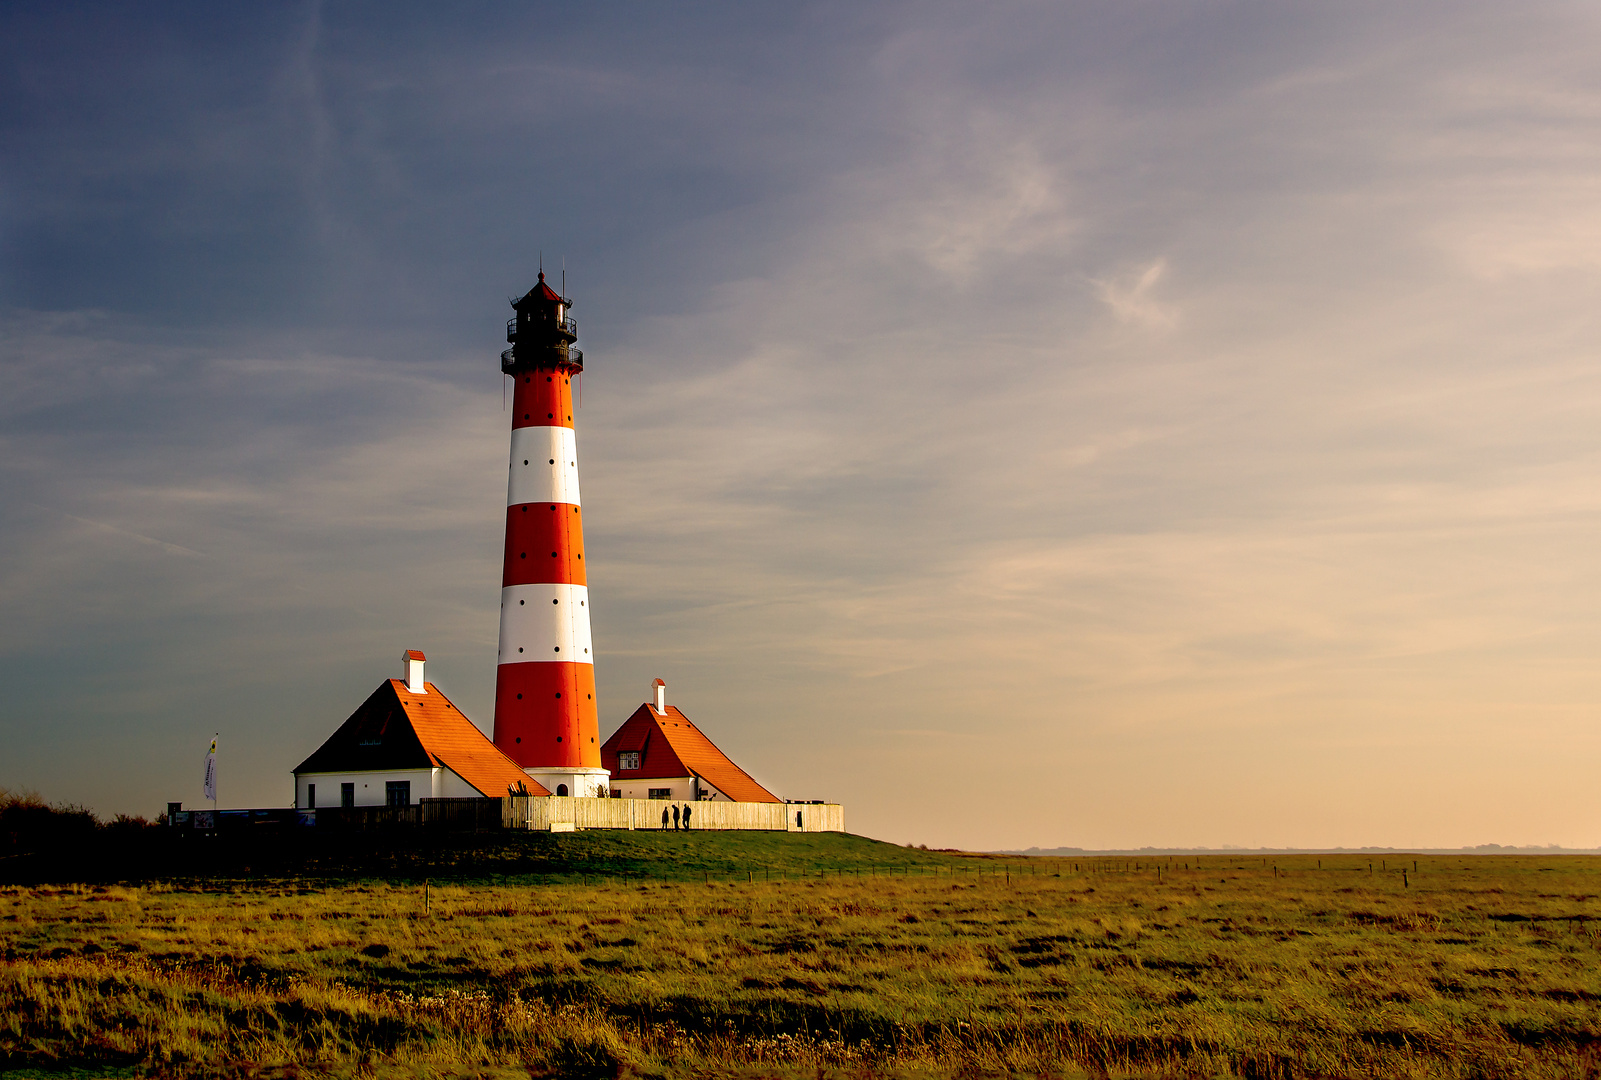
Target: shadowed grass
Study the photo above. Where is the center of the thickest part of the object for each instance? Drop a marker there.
(1475, 967)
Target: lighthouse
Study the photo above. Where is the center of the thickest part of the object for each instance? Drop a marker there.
(545, 715)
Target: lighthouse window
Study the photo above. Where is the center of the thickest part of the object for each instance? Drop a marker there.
(555, 601)
(553, 461)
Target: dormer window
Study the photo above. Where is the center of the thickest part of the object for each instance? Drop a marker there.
(625, 762)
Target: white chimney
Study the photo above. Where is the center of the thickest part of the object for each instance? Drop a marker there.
(414, 662)
(660, 689)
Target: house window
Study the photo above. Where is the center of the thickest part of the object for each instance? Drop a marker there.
(398, 792)
(616, 793)
(347, 794)
(661, 793)
(626, 762)
(311, 796)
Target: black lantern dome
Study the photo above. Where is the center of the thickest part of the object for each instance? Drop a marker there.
(542, 333)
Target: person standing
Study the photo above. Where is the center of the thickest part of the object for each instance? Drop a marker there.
(687, 809)
(675, 816)
(664, 817)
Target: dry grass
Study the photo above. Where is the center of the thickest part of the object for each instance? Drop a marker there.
(1477, 967)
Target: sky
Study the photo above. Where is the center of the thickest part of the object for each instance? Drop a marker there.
(1081, 424)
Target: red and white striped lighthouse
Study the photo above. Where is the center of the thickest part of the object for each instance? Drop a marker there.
(545, 717)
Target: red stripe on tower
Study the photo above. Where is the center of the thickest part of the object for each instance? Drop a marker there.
(545, 716)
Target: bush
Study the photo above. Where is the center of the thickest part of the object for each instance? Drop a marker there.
(29, 824)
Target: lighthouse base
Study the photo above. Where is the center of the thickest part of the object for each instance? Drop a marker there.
(581, 783)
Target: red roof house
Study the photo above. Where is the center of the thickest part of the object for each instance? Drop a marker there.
(659, 753)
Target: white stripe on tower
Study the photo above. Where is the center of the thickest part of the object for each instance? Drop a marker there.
(544, 466)
(545, 623)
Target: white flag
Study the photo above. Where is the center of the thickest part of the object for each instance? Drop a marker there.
(211, 771)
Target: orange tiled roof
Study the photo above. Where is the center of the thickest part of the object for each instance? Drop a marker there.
(454, 741)
(670, 745)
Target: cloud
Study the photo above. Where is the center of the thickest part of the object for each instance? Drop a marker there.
(1130, 296)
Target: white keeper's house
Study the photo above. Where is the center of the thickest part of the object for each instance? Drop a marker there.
(406, 743)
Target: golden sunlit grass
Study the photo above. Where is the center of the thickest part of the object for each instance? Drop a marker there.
(1476, 967)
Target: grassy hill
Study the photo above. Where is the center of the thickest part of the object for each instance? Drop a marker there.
(654, 854)
(161, 854)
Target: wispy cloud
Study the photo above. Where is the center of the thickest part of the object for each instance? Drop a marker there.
(1132, 296)
(170, 549)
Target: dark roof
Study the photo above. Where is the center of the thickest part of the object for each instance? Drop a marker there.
(669, 745)
(395, 729)
(541, 292)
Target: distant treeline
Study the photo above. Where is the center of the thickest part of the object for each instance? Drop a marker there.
(29, 825)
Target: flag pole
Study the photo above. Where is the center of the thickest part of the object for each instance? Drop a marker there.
(211, 778)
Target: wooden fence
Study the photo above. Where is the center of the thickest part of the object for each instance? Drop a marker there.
(557, 813)
(451, 815)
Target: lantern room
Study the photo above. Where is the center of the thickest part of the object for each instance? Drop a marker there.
(541, 334)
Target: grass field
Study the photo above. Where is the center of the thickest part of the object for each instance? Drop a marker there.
(852, 958)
